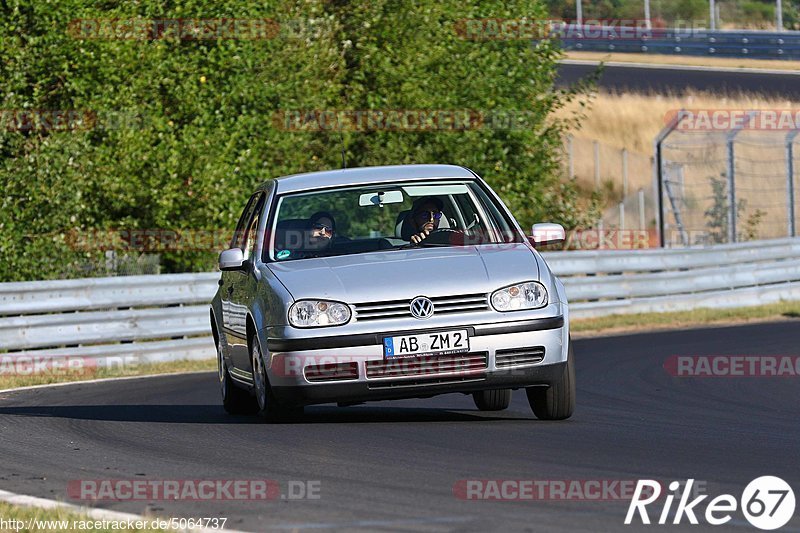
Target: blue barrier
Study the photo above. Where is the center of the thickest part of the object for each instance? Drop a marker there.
(695, 42)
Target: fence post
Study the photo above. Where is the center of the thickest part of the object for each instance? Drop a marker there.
(642, 222)
(596, 146)
(624, 172)
(712, 13)
(730, 163)
(658, 172)
(731, 173)
(790, 180)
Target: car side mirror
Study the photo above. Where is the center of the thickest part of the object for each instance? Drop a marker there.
(232, 259)
(547, 233)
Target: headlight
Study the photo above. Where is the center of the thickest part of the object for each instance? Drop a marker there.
(318, 313)
(529, 295)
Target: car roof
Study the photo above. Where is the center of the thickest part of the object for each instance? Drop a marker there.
(364, 175)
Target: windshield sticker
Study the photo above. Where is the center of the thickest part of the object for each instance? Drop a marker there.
(283, 254)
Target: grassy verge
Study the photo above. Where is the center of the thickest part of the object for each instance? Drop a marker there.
(10, 380)
(657, 59)
(683, 319)
(19, 519)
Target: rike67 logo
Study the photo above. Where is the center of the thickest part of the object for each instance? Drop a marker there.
(767, 502)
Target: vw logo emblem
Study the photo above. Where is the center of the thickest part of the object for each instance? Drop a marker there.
(421, 307)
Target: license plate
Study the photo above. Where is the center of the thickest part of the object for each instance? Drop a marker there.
(439, 343)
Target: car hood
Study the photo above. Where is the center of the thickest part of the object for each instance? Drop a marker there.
(404, 274)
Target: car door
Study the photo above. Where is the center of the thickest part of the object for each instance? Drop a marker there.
(233, 316)
(244, 285)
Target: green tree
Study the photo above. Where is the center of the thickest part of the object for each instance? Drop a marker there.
(182, 130)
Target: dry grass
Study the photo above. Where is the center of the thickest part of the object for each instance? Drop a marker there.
(613, 324)
(9, 381)
(632, 121)
(723, 62)
(36, 520)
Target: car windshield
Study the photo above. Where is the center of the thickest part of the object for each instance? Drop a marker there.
(385, 217)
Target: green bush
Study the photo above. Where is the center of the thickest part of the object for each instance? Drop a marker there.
(197, 133)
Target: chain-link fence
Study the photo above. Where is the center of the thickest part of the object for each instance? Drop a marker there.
(727, 185)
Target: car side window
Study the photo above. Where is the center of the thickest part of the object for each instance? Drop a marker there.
(252, 229)
(239, 234)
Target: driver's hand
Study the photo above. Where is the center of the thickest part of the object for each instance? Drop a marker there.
(419, 237)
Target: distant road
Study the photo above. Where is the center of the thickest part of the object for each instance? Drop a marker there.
(679, 79)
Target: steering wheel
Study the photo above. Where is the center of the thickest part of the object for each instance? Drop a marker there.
(441, 236)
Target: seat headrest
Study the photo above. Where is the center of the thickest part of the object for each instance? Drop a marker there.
(291, 233)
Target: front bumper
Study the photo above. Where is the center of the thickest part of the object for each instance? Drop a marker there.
(290, 360)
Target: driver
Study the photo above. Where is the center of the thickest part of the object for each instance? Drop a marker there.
(322, 227)
(426, 213)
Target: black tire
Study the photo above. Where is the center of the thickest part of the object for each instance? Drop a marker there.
(235, 400)
(267, 406)
(556, 402)
(492, 400)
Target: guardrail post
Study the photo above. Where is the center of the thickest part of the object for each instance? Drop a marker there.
(790, 180)
(658, 172)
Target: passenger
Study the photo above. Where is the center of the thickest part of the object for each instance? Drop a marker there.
(426, 213)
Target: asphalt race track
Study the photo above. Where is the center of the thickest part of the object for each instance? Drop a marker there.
(680, 80)
(393, 466)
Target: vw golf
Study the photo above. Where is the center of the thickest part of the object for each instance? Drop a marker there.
(382, 283)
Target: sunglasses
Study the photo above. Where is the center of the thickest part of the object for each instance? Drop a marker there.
(322, 227)
(427, 215)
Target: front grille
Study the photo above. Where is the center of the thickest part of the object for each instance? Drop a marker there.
(519, 356)
(429, 365)
(442, 305)
(421, 382)
(331, 372)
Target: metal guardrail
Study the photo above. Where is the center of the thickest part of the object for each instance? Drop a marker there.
(689, 41)
(166, 317)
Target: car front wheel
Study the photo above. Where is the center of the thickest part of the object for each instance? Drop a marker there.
(556, 402)
(268, 406)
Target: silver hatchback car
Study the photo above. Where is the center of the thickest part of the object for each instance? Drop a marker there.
(384, 283)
